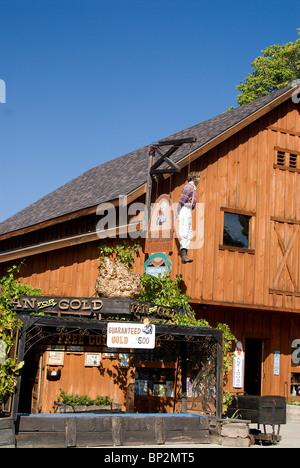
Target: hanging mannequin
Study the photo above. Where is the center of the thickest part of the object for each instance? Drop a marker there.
(186, 204)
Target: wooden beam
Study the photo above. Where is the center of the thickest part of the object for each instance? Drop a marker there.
(166, 158)
(153, 167)
(178, 141)
(219, 381)
(238, 305)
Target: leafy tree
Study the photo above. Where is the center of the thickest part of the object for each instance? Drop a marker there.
(275, 69)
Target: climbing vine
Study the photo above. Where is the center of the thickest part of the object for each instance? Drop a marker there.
(121, 253)
(167, 292)
(164, 291)
(10, 288)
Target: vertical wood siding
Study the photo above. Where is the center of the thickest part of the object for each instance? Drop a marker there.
(277, 332)
(237, 174)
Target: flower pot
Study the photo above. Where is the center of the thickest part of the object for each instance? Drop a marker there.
(62, 408)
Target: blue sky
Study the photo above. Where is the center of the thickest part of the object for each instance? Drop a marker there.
(90, 80)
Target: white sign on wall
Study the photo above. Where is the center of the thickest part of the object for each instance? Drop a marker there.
(238, 366)
(276, 362)
(130, 335)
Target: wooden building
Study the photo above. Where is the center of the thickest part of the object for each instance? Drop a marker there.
(246, 250)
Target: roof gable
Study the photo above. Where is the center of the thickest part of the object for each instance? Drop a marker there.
(125, 174)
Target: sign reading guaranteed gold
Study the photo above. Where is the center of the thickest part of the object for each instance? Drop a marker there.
(130, 335)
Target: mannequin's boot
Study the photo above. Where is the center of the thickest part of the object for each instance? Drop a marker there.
(184, 257)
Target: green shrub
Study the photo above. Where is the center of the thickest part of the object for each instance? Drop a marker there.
(73, 399)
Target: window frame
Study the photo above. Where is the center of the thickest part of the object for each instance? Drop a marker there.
(251, 240)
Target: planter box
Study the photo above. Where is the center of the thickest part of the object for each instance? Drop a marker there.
(7, 433)
(121, 429)
(61, 408)
(293, 413)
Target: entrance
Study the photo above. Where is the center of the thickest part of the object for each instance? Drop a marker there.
(28, 401)
(158, 375)
(253, 366)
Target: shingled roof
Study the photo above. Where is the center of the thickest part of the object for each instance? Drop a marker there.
(126, 173)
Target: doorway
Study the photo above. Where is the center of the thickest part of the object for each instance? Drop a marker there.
(29, 384)
(253, 366)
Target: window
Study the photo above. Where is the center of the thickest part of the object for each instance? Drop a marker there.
(237, 230)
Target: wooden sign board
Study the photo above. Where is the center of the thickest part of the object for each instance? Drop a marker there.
(130, 335)
(57, 304)
(160, 235)
(89, 306)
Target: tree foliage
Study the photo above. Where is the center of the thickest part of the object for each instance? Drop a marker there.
(10, 288)
(121, 253)
(164, 291)
(276, 68)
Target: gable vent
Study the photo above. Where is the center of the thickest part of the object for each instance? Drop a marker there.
(280, 158)
(293, 161)
(288, 160)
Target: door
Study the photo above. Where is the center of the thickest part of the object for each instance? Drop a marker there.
(253, 366)
(29, 384)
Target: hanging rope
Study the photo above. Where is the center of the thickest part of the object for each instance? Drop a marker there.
(189, 165)
(170, 190)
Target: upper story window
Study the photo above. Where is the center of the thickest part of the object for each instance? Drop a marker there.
(237, 230)
(287, 159)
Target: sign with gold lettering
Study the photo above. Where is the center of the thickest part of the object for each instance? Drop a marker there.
(57, 304)
(91, 306)
(130, 335)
